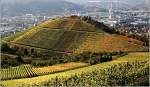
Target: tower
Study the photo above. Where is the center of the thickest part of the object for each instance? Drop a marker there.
(77, 13)
(110, 11)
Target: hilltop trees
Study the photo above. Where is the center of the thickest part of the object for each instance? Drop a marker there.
(97, 24)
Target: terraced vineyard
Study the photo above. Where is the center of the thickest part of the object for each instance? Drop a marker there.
(69, 24)
(17, 72)
(132, 69)
(25, 71)
(74, 35)
(103, 42)
(57, 68)
(13, 37)
(54, 24)
(52, 39)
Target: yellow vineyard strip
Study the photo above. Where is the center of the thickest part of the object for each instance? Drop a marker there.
(25, 71)
(59, 67)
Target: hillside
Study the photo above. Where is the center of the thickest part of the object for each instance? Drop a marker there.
(73, 35)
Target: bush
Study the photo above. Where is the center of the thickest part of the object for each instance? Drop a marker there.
(94, 58)
(105, 58)
(5, 48)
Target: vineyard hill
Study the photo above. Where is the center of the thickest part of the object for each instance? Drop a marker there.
(73, 35)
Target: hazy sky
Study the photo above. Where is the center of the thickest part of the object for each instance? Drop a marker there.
(82, 1)
(78, 1)
(75, 1)
(26, 1)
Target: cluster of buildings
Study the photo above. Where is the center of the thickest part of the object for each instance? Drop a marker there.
(134, 23)
(12, 25)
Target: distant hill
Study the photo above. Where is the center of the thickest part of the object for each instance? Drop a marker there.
(116, 3)
(73, 35)
(37, 6)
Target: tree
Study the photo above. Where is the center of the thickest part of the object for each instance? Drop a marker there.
(26, 52)
(20, 59)
(5, 47)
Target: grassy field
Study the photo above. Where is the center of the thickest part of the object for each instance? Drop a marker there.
(135, 64)
(25, 71)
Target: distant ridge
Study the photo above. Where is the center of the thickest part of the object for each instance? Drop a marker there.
(35, 7)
